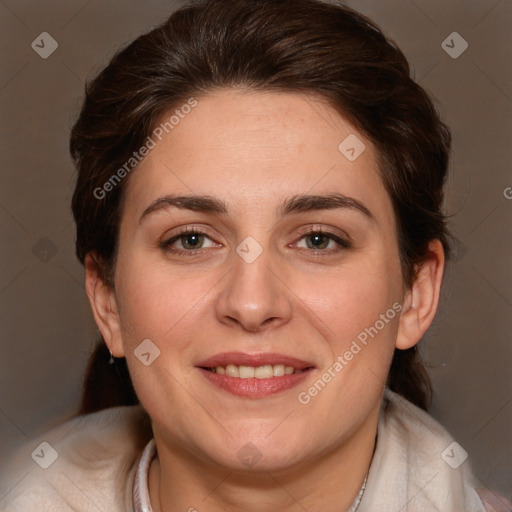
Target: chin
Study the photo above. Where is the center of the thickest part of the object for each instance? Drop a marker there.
(259, 453)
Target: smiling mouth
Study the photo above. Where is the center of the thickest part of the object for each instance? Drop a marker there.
(255, 375)
(267, 371)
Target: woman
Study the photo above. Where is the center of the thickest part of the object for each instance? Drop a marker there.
(259, 213)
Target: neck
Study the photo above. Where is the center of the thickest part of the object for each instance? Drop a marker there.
(328, 483)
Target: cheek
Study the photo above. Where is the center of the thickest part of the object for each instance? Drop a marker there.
(359, 309)
(354, 298)
(164, 306)
(156, 302)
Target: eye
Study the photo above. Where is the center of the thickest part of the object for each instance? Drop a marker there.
(320, 240)
(189, 240)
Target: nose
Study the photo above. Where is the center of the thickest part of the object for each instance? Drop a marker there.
(254, 297)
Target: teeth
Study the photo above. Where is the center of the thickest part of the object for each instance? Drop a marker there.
(246, 372)
(264, 372)
(261, 372)
(232, 370)
(278, 370)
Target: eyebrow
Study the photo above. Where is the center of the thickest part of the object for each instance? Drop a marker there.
(296, 204)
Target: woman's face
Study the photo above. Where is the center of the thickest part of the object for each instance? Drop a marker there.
(290, 260)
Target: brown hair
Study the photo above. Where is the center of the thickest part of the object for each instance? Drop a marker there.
(305, 46)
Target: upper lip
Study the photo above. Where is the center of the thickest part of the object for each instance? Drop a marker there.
(243, 359)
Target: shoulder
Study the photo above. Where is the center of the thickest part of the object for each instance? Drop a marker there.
(402, 418)
(434, 446)
(89, 460)
(417, 464)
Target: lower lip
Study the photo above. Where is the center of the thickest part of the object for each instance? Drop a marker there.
(255, 388)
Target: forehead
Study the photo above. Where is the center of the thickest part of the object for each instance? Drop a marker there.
(256, 148)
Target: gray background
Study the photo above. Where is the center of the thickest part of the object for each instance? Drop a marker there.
(47, 331)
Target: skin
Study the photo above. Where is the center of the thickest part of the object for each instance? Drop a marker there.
(254, 150)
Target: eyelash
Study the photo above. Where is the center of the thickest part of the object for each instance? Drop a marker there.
(167, 244)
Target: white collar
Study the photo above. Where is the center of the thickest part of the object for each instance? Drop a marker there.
(141, 502)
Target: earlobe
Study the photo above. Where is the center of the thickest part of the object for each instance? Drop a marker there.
(104, 306)
(421, 301)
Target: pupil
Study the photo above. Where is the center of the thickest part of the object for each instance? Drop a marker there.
(317, 240)
(192, 240)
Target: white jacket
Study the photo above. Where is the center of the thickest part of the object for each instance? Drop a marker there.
(92, 461)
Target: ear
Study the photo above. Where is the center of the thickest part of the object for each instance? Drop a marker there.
(103, 304)
(421, 301)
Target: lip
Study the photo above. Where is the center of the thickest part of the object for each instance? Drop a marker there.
(254, 388)
(241, 358)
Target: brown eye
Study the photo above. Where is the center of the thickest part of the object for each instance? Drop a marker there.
(318, 241)
(322, 241)
(192, 240)
(188, 242)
